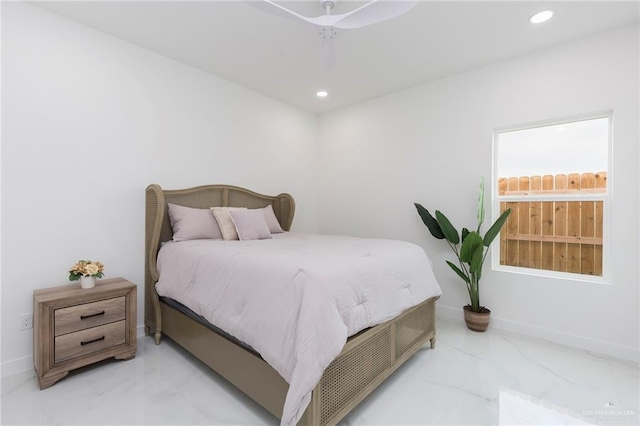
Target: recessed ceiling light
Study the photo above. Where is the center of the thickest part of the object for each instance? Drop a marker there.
(541, 17)
(321, 94)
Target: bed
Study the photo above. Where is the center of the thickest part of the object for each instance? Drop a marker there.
(365, 361)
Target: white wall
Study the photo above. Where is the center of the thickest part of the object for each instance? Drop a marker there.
(431, 144)
(88, 122)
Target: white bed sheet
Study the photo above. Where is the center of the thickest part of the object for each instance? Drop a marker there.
(297, 297)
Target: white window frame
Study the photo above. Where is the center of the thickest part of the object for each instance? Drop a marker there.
(606, 198)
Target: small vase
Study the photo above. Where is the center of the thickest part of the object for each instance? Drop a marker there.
(87, 282)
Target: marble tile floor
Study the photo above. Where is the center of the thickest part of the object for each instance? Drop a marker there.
(492, 378)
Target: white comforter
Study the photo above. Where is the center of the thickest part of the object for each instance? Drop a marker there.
(296, 298)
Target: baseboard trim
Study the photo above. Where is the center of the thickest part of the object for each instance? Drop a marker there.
(20, 365)
(566, 339)
(16, 366)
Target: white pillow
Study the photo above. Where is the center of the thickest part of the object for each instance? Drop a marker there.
(227, 227)
(192, 224)
(250, 224)
(272, 220)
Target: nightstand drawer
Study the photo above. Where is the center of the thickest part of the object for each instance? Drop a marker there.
(89, 315)
(84, 342)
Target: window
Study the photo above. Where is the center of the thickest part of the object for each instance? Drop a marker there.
(554, 176)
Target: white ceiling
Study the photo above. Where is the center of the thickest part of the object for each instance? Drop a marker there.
(280, 57)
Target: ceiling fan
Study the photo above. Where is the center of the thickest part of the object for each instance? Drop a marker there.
(328, 27)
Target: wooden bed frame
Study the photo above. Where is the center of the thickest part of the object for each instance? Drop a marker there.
(367, 359)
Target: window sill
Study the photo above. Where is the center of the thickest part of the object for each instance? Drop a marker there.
(554, 274)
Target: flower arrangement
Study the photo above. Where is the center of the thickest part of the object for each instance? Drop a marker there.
(86, 268)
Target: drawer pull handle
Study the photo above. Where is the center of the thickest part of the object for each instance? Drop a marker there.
(92, 341)
(82, 317)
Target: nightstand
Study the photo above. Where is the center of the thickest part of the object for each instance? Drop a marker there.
(74, 327)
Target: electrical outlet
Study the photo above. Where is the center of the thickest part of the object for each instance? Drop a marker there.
(26, 321)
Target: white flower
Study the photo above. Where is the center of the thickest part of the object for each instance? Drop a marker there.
(91, 269)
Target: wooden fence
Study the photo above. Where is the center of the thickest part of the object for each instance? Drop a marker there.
(553, 235)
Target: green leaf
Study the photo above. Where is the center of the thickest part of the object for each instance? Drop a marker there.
(493, 232)
(449, 231)
(476, 260)
(465, 232)
(459, 272)
(469, 246)
(73, 277)
(429, 221)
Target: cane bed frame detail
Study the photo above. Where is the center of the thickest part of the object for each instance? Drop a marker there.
(366, 360)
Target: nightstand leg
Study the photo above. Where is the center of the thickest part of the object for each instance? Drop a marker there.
(433, 342)
(147, 330)
(125, 356)
(157, 337)
(47, 382)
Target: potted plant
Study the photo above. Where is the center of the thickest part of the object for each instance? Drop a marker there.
(86, 271)
(471, 249)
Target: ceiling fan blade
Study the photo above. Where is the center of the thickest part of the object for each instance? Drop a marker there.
(328, 58)
(273, 8)
(373, 12)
